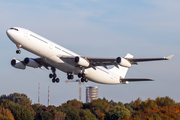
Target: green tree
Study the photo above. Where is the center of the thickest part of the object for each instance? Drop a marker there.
(4, 118)
(99, 107)
(118, 112)
(58, 115)
(74, 103)
(19, 111)
(45, 115)
(22, 99)
(87, 115)
(72, 113)
(165, 101)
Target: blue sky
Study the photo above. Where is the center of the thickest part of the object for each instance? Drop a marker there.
(95, 28)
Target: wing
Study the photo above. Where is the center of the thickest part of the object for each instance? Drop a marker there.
(42, 62)
(135, 79)
(135, 60)
(108, 61)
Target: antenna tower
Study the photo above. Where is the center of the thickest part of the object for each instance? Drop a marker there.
(79, 90)
(38, 93)
(48, 95)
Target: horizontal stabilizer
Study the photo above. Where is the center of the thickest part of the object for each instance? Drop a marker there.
(136, 79)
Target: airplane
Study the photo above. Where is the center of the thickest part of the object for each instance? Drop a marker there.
(54, 56)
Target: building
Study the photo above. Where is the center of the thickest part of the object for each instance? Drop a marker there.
(91, 93)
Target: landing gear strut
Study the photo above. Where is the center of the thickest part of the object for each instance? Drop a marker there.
(18, 51)
(53, 75)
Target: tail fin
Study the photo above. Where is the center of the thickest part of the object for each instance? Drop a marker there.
(121, 71)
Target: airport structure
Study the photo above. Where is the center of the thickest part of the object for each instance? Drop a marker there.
(91, 93)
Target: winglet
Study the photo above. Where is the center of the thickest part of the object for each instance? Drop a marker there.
(169, 57)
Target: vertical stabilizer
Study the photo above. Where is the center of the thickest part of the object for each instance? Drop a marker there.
(121, 71)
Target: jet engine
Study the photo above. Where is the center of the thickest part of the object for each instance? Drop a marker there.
(123, 62)
(81, 61)
(18, 64)
(31, 63)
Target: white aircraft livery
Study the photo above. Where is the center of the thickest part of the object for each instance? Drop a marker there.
(57, 57)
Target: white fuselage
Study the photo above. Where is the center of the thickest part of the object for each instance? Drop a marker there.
(50, 52)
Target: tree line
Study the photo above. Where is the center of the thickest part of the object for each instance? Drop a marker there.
(18, 106)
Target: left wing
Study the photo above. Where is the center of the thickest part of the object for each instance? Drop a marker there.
(135, 60)
(92, 62)
(135, 79)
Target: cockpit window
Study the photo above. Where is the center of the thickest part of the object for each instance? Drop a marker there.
(14, 29)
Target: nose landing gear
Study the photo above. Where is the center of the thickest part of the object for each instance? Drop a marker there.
(18, 51)
(53, 75)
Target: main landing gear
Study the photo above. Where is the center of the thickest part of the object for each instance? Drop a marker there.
(53, 75)
(18, 51)
(70, 76)
(83, 77)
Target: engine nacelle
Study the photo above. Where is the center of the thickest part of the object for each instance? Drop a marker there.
(123, 62)
(17, 64)
(31, 63)
(81, 61)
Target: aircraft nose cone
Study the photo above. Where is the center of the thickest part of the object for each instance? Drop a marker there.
(8, 33)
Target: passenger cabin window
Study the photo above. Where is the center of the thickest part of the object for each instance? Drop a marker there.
(14, 29)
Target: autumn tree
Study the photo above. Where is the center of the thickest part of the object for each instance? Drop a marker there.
(19, 111)
(99, 107)
(5, 114)
(21, 99)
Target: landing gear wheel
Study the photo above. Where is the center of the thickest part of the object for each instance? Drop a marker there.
(54, 75)
(57, 80)
(79, 75)
(83, 75)
(53, 80)
(83, 79)
(70, 77)
(18, 51)
(50, 75)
